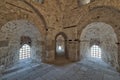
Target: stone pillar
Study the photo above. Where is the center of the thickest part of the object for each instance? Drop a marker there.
(1, 71)
(43, 52)
(73, 50)
(50, 52)
(119, 57)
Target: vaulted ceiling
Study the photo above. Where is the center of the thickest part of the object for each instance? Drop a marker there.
(52, 15)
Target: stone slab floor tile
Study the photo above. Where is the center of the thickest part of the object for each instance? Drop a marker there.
(74, 71)
(38, 78)
(110, 77)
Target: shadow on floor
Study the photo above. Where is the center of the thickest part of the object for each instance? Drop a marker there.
(61, 61)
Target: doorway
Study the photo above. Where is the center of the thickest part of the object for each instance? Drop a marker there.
(61, 45)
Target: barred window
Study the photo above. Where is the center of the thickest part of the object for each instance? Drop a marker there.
(96, 51)
(25, 52)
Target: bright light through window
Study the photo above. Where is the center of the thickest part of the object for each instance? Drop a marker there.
(24, 52)
(60, 48)
(95, 51)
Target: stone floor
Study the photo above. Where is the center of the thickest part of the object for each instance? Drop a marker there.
(83, 70)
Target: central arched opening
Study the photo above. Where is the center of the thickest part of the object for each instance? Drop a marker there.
(60, 46)
(98, 42)
(61, 55)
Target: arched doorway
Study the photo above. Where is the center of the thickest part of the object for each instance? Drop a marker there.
(61, 45)
(98, 40)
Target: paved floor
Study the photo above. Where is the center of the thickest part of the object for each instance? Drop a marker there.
(84, 70)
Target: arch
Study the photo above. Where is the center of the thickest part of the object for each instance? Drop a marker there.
(108, 15)
(38, 18)
(60, 45)
(101, 34)
(100, 14)
(37, 12)
(13, 31)
(105, 7)
(65, 43)
(61, 33)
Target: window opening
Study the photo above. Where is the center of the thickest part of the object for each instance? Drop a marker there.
(25, 52)
(96, 51)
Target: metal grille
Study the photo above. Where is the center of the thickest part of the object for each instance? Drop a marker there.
(25, 52)
(96, 51)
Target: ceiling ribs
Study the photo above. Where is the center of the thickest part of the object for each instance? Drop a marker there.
(19, 7)
(41, 17)
(70, 27)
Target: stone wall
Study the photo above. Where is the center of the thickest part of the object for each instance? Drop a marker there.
(11, 38)
(103, 35)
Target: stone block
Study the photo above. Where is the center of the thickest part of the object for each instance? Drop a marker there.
(4, 43)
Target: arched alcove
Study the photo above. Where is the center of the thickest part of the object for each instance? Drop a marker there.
(61, 45)
(102, 35)
(17, 33)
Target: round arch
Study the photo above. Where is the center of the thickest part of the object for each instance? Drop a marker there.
(12, 33)
(100, 14)
(103, 35)
(65, 43)
(104, 14)
(37, 12)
